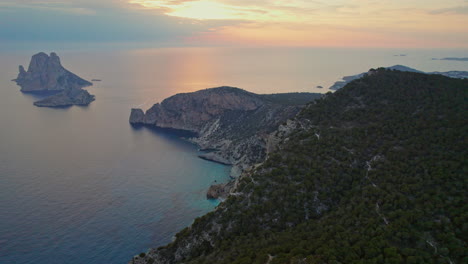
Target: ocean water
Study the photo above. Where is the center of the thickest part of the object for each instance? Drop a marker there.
(80, 185)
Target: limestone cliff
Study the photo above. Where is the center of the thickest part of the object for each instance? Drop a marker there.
(46, 74)
(231, 123)
(191, 111)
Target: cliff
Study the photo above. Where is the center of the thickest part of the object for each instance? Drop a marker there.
(230, 122)
(46, 74)
(373, 173)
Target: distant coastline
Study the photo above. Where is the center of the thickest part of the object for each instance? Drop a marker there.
(453, 59)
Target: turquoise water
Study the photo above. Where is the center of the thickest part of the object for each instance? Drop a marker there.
(79, 185)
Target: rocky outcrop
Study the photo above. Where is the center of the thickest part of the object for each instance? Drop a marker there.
(191, 111)
(233, 123)
(215, 191)
(281, 135)
(46, 74)
(137, 116)
(220, 191)
(74, 96)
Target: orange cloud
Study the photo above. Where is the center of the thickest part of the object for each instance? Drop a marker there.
(384, 23)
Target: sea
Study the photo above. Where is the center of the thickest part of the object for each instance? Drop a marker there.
(80, 185)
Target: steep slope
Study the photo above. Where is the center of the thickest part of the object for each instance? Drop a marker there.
(230, 122)
(452, 74)
(374, 173)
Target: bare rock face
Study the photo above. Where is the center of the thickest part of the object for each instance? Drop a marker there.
(191, 111)
(216, 191)
(230, 122)
(74, 96)
(234, 127)
(137, 116)
(46, 74)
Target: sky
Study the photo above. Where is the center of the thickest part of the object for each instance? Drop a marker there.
(298, 23)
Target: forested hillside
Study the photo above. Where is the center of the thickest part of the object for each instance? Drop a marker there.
(374, 173)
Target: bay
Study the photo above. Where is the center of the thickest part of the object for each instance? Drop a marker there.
(80, 185)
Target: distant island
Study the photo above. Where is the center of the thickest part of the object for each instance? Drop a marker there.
(96, 80)
(232, 124)
(452, 59)
(452, 74)
(46, 74)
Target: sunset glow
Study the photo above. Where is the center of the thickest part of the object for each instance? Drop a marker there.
(211, 10)
(195, 10)
(323, 23)
(318, 23)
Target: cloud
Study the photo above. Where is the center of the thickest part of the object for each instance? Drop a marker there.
(90, 22)
(461, 10)
(56, 6)
(241, 10)
(204, 22)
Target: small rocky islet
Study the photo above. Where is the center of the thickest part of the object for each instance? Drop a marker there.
(46, 74)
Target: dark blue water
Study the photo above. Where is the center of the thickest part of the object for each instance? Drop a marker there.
(80, 185)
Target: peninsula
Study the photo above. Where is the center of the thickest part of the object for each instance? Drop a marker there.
(232, 124)
(373, 173)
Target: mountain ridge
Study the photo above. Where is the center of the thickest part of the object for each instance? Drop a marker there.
(373, 173)
(346, 79)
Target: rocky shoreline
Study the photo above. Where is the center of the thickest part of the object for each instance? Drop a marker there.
(230, 122)
(214, 158)
(328, 182)
(236, 155)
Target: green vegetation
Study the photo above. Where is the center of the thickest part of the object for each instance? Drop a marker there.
(379, 175)
(291, 98)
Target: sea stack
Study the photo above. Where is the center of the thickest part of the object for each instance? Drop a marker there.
(46, 74)
(137, 116)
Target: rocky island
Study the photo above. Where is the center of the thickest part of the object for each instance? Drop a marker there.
(231, 124)
(46, 74)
